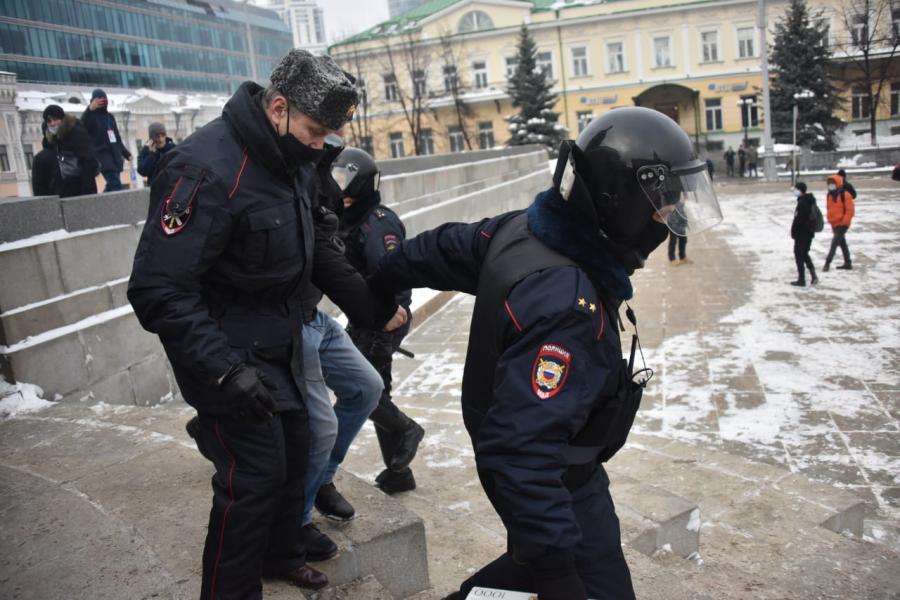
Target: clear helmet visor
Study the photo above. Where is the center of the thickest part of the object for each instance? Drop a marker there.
(683, 199)
(343, 175)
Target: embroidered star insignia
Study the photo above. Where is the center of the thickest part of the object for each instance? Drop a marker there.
(593, 307)
(582, 302)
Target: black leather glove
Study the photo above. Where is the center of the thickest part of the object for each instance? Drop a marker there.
(246, 389)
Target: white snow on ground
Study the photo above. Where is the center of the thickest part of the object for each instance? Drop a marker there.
(812, 349)
(20, 398)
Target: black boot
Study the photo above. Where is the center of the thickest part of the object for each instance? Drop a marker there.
(846, 266)
(193, 429)
(332, 504)
(812, 273)
(398, 435)
(391, 482)
(318, 546)
(407, 446)
(799, 283)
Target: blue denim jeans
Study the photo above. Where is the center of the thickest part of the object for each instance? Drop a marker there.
(330, 360)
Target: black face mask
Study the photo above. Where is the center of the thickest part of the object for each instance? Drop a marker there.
(295, 152)
(636, 252)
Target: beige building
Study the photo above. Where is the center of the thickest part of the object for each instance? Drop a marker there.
(441, 70)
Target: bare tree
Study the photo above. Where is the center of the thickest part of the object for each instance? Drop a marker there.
(361, 133)
(410, 59)
(454, 85)
(871, 47)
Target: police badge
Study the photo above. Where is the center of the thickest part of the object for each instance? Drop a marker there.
(550, 371)
(178, 207)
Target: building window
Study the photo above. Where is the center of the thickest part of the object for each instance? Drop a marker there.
(397, 150)
(824, 24)
(580, 61)
(859, 30)
(615, 57)
(662, 51)
(861, 104)
(4, 159)
(457, 139)
(479, 70)
(895, 99)
(29, 155)
(451, 81)
(710, 42)
(512, 62)
(715, 145)
(419, 83)
(366, 143)
(713, 114)
(895, 26)
(745, 37)
(545, 62)
(363, 91)
(749, 112)
(475, 21)
(584, 118)
(426, 142)
(485, 135)
(391, 93)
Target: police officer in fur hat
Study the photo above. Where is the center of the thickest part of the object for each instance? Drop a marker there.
(235, 233)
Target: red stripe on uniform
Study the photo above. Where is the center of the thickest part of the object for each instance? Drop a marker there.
(227, 508)
(602, 320)
(485, 234)
(237, 182)
(512, 316)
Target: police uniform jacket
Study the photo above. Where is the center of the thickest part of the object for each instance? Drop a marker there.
(229, 245)
(543, 356)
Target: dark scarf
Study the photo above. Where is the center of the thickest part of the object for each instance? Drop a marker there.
(356, 213)
(553, 221)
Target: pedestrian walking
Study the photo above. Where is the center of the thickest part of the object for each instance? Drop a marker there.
(803, 230)
(729, 162)
(840, 211)
(546, 396)
(66, 165)
(108, 145)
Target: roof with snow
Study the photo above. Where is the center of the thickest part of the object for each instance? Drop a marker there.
(76, 101)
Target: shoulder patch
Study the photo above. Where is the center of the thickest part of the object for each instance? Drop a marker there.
(178, 205)
(391, 242)
(379, 213)
(550, 370)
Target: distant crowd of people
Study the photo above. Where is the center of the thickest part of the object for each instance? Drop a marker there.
(76, 150)
(747, 156)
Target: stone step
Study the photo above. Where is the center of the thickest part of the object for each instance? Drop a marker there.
(654, 520)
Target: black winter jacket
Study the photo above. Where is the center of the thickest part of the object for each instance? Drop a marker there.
(45, 179)
(229, 245)
(70, 139)
(800, 227)
(109, 154)
(148, 160)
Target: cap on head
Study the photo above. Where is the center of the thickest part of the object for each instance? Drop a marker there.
(842, 173)
(155, 129)
(317, 87)
(54, 111)
(98, 93)
(800, 186)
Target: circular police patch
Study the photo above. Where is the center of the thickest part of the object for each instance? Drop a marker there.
(177, 207)
(391, 242)
(550, 371)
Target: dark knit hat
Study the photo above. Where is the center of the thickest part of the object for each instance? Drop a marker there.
(800, 186)
(98, 93)
(54, 111)
(316, 86)
(156, 128)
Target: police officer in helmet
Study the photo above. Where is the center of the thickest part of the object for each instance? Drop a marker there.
(371, 230)
(546, 395)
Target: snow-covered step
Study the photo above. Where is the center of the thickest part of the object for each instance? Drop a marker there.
(654, 520)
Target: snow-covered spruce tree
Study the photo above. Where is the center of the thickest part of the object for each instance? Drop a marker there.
(800, 59)
(530, 90)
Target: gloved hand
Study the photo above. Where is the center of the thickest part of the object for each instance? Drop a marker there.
(246, 389)
(555, 577)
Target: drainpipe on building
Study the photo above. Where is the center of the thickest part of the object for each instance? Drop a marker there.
(562, 72)
(770, 169)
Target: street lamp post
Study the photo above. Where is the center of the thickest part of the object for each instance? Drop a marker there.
(745, 104)
(797, 96)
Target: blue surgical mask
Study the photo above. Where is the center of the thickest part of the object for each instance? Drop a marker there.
(796, 193)
(832, 187)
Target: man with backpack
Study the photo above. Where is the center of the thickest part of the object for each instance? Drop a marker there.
(840, 209)
(807, 221)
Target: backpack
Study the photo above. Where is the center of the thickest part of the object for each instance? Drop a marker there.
(816, 222)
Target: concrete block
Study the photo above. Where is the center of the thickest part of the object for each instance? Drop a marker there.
(150, 380)
(118, 293)
(18, 325)
(21, 218)
(96, 258)
(117, 344)
(114, 389)
(35, 271)
(58, 366)
(833, 508)
(654, 520)
(101, 210)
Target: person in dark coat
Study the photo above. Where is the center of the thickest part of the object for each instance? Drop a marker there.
(729, 162)
(158, 143)
(66, 143)
(108, 145)
(371, 230)
(847, 185)
(546, 395)
(802, 233)
(742, 160)
(233, 237)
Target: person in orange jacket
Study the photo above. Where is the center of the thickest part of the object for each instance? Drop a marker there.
(839, 202)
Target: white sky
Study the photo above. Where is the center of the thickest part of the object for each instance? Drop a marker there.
(346, 17)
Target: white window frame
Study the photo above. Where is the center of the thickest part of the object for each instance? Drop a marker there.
(480, 75)
(546, 63)
(894, 105)
(583, 118)
(752, 41)
(713, 111)
(420, 83)
(511, 69)
(669, 50)
(456, 138)
(395, 140)
(856, 28)
(426, 141)
(581, 65)
(860, 107)
(451, 76)
(483, 132)
(391, 89)
(709, 51)
(610, 67)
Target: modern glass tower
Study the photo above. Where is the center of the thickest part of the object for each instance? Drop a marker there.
(398, 7)
(178, 45)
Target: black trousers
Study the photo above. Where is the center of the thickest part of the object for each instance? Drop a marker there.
(255, 521)
(839, 239)
(801, 257)
(598, 557)
(729, 169)
(682, 246)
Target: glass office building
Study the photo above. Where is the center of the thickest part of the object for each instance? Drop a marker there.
(175, 45)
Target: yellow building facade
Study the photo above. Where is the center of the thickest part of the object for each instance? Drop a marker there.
(441, 70)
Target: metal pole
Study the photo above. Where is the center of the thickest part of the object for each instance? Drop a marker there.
(794, 148)
(769, 168)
